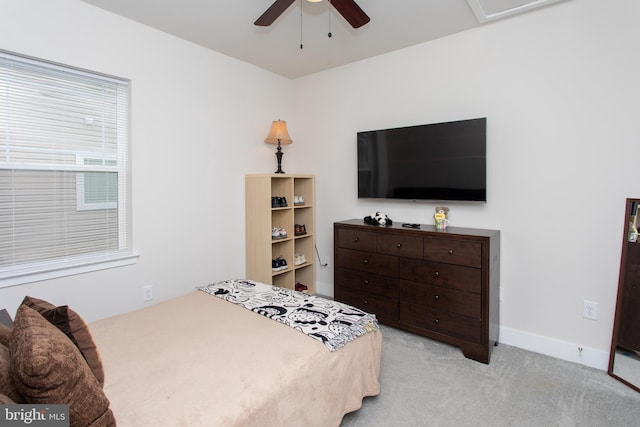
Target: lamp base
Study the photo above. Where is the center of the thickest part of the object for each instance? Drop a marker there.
(279, 154)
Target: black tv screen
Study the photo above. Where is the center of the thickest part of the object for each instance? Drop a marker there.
(440, 162)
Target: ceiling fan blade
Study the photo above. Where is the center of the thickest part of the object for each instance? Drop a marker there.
(275, 10)
(351, 12)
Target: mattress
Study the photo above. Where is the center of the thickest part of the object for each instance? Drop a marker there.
(197, 360)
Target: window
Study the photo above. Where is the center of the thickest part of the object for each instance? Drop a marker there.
(97, 190)
(63, 170)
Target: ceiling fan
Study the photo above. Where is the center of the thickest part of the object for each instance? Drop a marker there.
(347, 8)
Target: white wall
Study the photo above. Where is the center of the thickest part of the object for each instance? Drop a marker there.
(198, 124)
(560, 90)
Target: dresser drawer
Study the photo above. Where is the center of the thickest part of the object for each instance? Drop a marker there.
(366, 282)
(432, 319)
(399, 245)
(385, 309)
(446, 275)
(357, 239)
(460, 252)
(367, 261)
(465, 303)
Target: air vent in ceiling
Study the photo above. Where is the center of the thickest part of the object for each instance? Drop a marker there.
(489, 10)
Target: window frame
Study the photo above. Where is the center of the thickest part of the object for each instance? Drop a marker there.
(93, 260)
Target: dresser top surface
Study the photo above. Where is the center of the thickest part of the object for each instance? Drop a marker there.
(430, 228)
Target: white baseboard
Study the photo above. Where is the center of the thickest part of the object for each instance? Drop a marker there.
(564, 350)
(553, 347)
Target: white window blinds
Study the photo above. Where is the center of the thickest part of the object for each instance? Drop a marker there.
(63, 167)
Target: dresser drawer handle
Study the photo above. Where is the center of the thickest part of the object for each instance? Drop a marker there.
(399, 245)
(366, 282)
(436, 297)
(450, 251)
(436, 321)
(366, 302)
(366, 261)
(356, 239)
(436, 274)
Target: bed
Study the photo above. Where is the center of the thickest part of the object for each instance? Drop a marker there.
(206, 360)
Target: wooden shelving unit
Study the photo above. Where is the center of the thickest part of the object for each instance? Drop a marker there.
(261, 217)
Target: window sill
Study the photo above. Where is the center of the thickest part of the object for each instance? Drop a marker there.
(14, 278)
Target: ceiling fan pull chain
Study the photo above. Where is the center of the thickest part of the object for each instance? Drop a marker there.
(329, 35)
(301, 45)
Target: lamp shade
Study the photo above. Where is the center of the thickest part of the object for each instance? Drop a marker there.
(278, 133)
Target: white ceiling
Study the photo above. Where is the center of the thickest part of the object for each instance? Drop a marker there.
(227, 27)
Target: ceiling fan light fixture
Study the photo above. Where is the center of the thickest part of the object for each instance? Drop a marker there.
(349, 10)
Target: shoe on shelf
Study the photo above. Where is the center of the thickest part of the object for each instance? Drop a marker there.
(300, 230)
(298, 200)
(279, 264)
(278, 233)
(278, 202)
(300, 259)
(301, 288)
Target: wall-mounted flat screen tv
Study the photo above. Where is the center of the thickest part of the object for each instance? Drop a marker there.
(439, 162)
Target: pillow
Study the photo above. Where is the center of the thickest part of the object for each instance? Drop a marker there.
(5, 333)
(5, 400)
(47, 368)
(5, 319)
(6, 389)
(70, 322)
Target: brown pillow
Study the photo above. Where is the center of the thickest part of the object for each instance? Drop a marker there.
(37, 304)
(5, 332)
(47, 368)
(73, 326)
(6, 388)
(5, 400)
(5, 318)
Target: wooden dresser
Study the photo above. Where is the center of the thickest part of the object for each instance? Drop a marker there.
(440, 284)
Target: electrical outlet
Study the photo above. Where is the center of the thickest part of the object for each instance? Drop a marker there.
(590, 310)
(148, 293)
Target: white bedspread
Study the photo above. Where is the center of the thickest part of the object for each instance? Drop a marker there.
(201, 361)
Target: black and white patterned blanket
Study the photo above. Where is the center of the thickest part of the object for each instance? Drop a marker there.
(331, 322)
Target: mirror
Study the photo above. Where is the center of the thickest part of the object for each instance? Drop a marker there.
(624, 359)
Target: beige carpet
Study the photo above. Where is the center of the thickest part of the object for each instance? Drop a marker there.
(427, 383)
